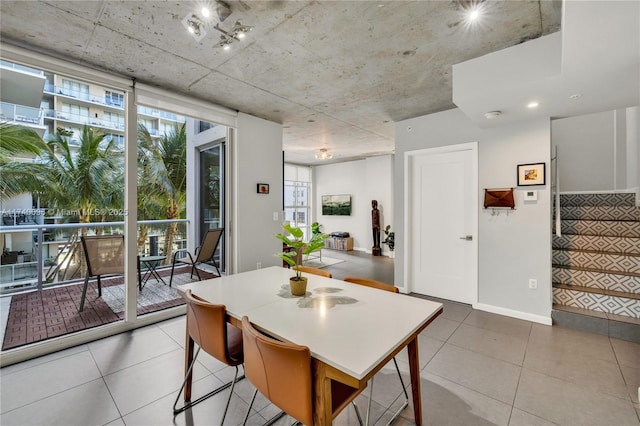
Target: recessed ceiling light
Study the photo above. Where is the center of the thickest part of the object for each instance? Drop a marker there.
(205, 12)
(473, 14)
(575, 96)
(533, 104)
(492, 114)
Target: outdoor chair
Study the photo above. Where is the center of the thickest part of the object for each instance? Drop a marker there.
(393, 289)
(208, 328)
(282, 372)
(105, 256)
(203, 254)
(312, 270)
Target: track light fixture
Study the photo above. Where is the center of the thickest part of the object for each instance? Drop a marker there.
(236, 33)
(197, 25)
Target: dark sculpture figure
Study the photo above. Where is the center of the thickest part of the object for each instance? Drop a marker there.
(375, 225)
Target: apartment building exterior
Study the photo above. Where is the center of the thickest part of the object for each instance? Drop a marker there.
(51, 103)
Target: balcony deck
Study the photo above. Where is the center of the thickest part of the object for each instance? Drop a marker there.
(52, 312)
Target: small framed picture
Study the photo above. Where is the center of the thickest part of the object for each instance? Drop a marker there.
(263, 188)
(531, 174)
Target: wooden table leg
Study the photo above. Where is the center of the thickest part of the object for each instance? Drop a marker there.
(414, 371)
(322, 388)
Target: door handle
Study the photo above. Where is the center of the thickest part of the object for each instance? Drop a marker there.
(467, 238)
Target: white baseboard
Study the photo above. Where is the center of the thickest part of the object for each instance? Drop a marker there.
(514, 314)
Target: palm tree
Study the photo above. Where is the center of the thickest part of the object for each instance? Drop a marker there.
(88, 180)
(18, 174)
(163, 179)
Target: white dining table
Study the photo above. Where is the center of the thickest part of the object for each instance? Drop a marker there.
(351, 330)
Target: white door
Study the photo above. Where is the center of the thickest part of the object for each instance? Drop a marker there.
(441, 226)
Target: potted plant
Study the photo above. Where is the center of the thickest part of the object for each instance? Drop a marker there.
(315, 228)
(298, 254)
(389, 237)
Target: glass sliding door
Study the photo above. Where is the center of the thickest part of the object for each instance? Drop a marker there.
(84, 156)
(211, 211)
(62, 180)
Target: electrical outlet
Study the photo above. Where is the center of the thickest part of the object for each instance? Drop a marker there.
(259, 265)
(533, 283)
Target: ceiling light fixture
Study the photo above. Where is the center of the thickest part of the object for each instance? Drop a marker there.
(323, 155)
(492, 114)
(199, 25)
(236, 33)
(473, 9)
(195, 26)
(533, 104)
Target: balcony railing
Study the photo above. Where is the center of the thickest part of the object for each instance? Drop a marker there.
(114, 102)
(52, 247)
(22, 68)
(20, 114)
(84, 119)
(162, 114)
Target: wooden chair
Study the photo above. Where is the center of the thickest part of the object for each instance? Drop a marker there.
(312, 270)
(105, 256)
(204, 253)
(393, 289)
(282, 373)
(207, 326)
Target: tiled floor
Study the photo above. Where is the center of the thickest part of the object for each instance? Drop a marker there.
(477, 369)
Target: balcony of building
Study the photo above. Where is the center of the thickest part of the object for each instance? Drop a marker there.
(52, 114)
(41, 287)
(23, 115)
(85, 97)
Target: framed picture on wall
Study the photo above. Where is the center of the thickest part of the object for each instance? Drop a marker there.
(263, 188)
(531, 174)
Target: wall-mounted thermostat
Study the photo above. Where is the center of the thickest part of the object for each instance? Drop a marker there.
(530, 195)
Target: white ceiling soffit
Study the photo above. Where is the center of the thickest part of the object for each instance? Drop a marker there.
(21, 87)
(591, 65)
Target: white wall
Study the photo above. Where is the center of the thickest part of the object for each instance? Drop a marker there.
(512, 248)
(257, 158)
(633, 149)
(597, 152)
(364, 180)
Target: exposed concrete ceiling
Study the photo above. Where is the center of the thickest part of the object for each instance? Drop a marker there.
(592, 65)
(336, 74)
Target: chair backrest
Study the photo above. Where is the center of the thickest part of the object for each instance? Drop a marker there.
(312, 270)
(104, 254)
(209, 244)
(372, 283)
(280, 371)
(207, 326)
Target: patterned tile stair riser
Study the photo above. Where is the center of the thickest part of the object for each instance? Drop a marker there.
(597, 242)
(601, 280)
(600, 261)
(598, 302)
(596, 262)
(53, 312)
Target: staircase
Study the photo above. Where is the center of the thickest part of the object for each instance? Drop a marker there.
(596, 265)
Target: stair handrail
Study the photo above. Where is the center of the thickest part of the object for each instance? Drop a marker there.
(556, 191)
